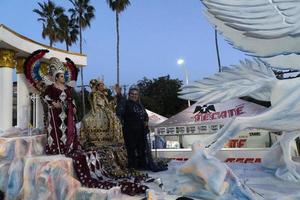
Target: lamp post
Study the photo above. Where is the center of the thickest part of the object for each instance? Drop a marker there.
(181, 63)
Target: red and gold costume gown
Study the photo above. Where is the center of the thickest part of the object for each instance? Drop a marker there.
(61, 129)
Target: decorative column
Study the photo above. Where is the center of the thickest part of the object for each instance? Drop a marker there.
(7, 64)
(39, 111)
(23, 98)
(39, 119)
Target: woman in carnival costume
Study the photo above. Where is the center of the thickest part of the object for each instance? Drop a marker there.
(61, 129)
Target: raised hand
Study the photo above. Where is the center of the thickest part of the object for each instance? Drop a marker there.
(118, 89)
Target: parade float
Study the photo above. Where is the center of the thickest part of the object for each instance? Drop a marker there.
(267, 30)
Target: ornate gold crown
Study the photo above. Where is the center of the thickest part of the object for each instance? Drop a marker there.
(93, 83)
(56, 67)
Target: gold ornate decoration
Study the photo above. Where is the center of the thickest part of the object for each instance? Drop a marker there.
(7, 58)
(44, 68)
(20, 65)
(100, 127)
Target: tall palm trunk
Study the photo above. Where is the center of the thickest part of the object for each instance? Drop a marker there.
(67, 46)
(118, 53)
(217, 49)
(81, 71)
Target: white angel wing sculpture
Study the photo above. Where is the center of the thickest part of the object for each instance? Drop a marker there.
(249, 78)
(269, 29)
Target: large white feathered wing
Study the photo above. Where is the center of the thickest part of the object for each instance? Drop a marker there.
(263, 28)
(249, 78)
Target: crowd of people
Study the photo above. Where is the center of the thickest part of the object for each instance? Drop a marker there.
(111, 145)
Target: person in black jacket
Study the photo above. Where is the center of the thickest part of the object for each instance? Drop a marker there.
(134, 119)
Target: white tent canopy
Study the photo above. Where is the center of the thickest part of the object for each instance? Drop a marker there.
(154, 118)
(205, 119)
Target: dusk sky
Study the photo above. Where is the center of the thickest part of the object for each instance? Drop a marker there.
(153, 35)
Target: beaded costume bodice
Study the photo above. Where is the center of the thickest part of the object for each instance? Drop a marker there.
(100, 127)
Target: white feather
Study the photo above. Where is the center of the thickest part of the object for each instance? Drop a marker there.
(262, 28)
(252, 78)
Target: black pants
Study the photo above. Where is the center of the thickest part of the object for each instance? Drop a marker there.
(136, 147)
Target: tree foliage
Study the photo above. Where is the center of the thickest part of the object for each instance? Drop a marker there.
(118, 5)
(82, 12)
(68, 31)
(49, 15)
(160, 95)
(57, 26)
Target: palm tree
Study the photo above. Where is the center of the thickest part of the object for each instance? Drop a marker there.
(118, 6)
(82, 13)
(68, 31)
(49, 14)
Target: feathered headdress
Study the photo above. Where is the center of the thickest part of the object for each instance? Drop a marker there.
(56, 67)
(40, 75)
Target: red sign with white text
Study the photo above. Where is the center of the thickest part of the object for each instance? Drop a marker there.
(238, 110)
(243, 160)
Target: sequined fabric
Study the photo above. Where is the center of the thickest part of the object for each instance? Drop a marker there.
(100, 127)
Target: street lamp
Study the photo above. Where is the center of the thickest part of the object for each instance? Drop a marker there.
(181, 63)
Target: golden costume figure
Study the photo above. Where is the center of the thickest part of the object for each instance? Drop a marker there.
(101, 137)
(100, 127)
